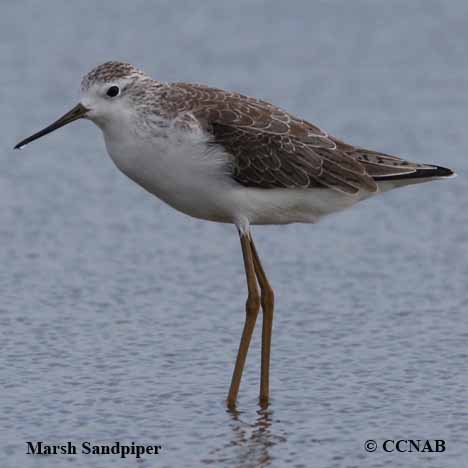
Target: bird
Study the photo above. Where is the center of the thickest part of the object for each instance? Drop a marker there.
(225, 157)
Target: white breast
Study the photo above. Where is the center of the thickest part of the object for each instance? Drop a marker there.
(180, 168)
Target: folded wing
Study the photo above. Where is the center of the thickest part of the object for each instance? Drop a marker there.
(271, 148)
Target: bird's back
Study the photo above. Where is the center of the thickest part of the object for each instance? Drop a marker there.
(271, 148)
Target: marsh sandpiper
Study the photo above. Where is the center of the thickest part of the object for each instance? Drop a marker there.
(225, 157)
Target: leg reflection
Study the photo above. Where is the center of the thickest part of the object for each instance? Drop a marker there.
(251, 443)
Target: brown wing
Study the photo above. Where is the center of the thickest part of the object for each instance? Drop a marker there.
(270, 148)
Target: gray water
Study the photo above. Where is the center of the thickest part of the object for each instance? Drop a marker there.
(120, 318)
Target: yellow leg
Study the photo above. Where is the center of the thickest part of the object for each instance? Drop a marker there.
(268, 302)
(252, 307)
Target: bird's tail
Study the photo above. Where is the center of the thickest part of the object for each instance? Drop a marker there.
(424, 174)
(391, 171)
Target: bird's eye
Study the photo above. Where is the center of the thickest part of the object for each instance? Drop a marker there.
(113, 91)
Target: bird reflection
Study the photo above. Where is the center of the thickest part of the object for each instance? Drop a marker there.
(250, 444)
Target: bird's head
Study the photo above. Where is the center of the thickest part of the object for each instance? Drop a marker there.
(108, 92)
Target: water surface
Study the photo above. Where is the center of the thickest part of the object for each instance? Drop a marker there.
(120, 318)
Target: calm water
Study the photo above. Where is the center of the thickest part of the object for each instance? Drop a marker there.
(120, 318)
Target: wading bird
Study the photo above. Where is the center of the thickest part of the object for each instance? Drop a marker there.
(229, 158)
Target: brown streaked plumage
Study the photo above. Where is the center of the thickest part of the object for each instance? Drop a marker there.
(271, 148)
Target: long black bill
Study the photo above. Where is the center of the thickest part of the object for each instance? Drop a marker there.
(77, 112)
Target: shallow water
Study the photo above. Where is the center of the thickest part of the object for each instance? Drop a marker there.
(120, 318)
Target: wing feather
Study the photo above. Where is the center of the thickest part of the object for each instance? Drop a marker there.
(271, 148)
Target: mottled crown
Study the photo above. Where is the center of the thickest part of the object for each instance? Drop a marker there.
(110, 71)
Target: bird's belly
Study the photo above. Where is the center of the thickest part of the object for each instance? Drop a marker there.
(288, 205)
(198, 198)
(186, 177)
